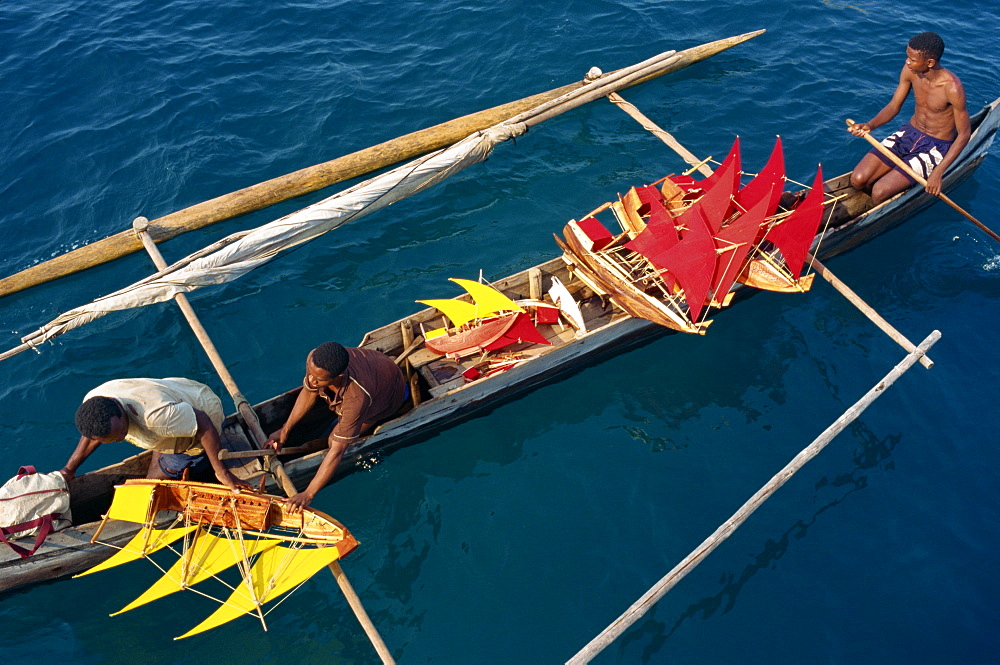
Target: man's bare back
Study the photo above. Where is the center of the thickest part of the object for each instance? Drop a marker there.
(940, 113)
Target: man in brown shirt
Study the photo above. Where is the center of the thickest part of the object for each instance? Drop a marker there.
(936, 134)
(361, 387)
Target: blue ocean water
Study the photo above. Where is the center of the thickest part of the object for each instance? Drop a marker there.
(519, 535)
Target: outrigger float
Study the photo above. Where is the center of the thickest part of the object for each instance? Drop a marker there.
(683, 247)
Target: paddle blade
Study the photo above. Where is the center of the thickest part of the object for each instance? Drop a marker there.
(145, 542)
(276, 571)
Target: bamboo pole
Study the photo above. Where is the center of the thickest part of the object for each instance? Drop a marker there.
(310, 179)
(913, 174)
(865, 309)
(667, 582)
(141, 225)
(267, 452)
(516, 125)
(821, 269)
(665, 136)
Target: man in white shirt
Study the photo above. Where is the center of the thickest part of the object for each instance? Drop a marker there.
(178, 419)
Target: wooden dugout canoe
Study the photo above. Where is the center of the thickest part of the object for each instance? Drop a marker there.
(446, 397)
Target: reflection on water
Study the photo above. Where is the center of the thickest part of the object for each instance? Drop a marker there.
(652, 634)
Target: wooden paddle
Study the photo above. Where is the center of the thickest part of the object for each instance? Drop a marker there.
(913, 174)
(141, 225)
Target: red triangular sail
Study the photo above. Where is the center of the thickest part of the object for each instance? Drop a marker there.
(795, 234)
(691, 261)
(659, 234)
(659, 215)
(717, 202)
(769, 183)
(742, 232)
(523, 330)
(732, 161)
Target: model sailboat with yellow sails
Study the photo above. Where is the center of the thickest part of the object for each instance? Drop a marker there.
(211, 530)
(490, 322)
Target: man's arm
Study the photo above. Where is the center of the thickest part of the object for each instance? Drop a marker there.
(303, 404)
(890, 110)
(208, 437)
(323, 475)
(350, 422)
(963, 127)
(84, 449)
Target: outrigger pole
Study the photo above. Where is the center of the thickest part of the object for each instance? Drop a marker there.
(821, 269)
(668, 581)
(141, 226)
(310, 179)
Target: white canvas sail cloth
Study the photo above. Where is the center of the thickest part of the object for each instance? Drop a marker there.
(240, 253)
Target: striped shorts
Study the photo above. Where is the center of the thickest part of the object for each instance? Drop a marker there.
(920, 151)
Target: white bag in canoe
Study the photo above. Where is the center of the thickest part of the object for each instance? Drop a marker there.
(33, 504)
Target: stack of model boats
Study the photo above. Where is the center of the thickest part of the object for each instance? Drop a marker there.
(684, 243)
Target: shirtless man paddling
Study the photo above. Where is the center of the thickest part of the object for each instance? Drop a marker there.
(936, 134)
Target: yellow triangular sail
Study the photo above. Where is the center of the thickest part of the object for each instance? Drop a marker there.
(276, 571)
(145, 542)
(458, 311)
(206, 555)
(131, 503)
(487, 300)
(490, 300)
(272, 550)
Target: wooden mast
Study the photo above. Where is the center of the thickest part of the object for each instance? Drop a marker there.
(310, 179)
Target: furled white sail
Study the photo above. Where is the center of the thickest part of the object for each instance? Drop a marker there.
(240, 253)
